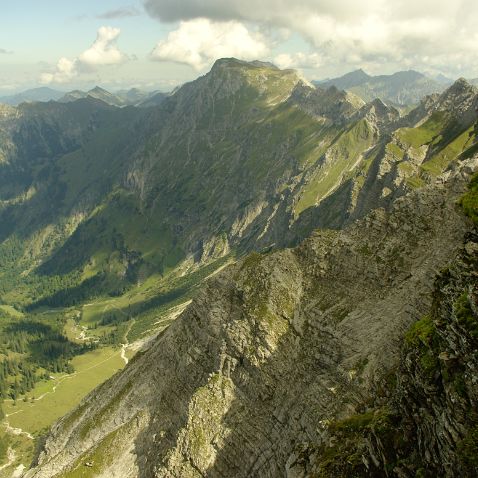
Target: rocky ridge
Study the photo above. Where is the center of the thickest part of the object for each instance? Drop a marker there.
(272, 351)
(422, 418)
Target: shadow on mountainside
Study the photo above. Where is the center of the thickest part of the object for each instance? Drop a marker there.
(274, 349)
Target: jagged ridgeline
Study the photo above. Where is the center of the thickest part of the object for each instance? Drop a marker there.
(95, 198)
(112, 218)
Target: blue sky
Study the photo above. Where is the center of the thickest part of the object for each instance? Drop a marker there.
(161, 43)
(53, 28)
(37, 33)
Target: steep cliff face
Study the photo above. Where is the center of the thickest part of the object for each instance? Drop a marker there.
(273, 351)
(436, 393)
(422, 418)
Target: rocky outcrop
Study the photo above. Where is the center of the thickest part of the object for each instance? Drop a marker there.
(384, 118)
(436, 394)
(331, 105)
(458, 102)
(422, 418)
(272, 351)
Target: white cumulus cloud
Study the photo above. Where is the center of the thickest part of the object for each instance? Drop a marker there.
(103, 51)
(64, 72)
(201, 41)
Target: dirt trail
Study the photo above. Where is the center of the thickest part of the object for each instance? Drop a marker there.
(17, 431)
(11, 455)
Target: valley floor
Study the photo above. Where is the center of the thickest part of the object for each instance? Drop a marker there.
(31, 415)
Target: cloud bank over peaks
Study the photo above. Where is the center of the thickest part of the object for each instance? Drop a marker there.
(201, 41)
(104, 51)
(277, 12)
(433, 34)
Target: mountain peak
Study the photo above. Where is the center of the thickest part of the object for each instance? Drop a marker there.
(96, 93)
(228, 75)
(461, 88)
(360, 73)
(349, 80)
(462, 83)
(407, 75)
(459, 101)
(379, 113)
(223, 63)
(335, 105)
(104, 95)
(98, 89)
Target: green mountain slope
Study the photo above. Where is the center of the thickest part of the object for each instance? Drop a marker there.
(112, 218)
(95, 198)
(194, 179)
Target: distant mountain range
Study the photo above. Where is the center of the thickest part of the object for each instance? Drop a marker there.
(399, 89)
(133, 96)
(36, 94)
